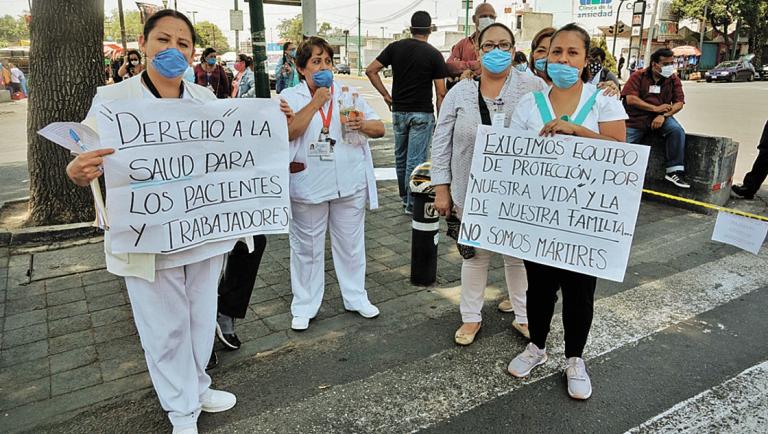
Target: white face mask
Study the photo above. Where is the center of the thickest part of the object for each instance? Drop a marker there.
(484, 22)
(667, 71)
(134, 62)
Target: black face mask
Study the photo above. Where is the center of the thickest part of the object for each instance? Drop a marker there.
(595, 67)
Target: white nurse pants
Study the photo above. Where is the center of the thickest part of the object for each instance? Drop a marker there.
(176, 319)
(346, 219)
(474, 277)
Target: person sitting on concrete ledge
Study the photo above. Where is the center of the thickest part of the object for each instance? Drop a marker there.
(652, 96)
(755, 178)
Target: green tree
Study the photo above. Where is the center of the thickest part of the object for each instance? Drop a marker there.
(290, 29)
(210, 35)
(12, 30)
(720, 13)
(754, 14)
(133, 26)
(68, 35)
(610, 61)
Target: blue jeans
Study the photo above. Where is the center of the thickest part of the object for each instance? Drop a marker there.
(674, 137)
(413, 137)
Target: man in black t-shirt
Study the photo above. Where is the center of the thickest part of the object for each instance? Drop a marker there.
(416, 66)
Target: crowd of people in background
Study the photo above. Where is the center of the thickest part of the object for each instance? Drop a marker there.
(563, 86)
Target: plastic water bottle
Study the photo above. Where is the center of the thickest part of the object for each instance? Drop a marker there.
(350, 110)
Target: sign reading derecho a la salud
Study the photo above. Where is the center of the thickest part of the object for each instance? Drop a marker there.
(185, 173)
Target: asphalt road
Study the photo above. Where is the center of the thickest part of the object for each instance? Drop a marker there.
(734, 110)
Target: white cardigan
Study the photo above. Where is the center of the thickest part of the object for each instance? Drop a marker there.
(140, 265)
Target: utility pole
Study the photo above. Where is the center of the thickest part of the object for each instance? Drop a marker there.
(346, 47)
(193, 13)
(237, 36)
(703, 29)
(382, 32)
(651, 33)
(466, 18)
(175, 5)
(308, 17)
(259, 45)
(122, 25)
(359, 41)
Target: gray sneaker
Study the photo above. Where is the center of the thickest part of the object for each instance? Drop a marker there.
(522, 365)
(579, 386)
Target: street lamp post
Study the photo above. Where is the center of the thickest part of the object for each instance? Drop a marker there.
(259, 45)
(359, 41)
(193, 13)
(616, 28)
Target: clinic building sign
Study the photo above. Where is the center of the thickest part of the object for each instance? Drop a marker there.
(590, 9)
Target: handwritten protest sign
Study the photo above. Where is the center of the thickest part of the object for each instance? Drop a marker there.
(186, 172)
(742, 232)
(563, 201)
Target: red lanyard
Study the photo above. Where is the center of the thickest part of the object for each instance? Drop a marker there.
(327, 118)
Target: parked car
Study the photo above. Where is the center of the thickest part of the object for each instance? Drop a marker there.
(731, 70)
(763, 72)
(342, 68)
(387, 72)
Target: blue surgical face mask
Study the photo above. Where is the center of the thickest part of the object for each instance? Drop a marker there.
(170, 63)
(496, 61)
(323, 78)
(211, 61)
(522, 67)
(562, 75)
(540, 64)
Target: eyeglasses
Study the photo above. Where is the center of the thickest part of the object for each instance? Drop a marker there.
(489, 46)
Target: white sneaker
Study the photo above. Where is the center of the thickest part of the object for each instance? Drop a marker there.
(215, 401)
(532, 357)
(185, 430)
(368, 311)
(579, 385)
(299, 323)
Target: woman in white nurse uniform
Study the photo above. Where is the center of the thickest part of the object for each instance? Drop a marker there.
(173, 296)
(330, 183)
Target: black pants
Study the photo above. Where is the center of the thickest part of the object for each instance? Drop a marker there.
(755, 178)
(239, 277)
(578, 305)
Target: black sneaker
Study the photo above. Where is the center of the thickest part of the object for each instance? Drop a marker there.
(678, 179)
(213, 361)
(230, 341)
(741, 192)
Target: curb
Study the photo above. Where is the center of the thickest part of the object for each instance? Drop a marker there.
(48, 234)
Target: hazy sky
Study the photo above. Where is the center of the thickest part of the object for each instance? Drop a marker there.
(340, 13)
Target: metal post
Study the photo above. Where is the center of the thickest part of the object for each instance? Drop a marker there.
(175, 5)
(616, 28)
(346, 47)
(736, 39)
(359, 41)
(259, 44)
(308, 17)
(122, 24)
(702, 30)
(237, 36)
(651, 32)
(193, 13)
(466, 18)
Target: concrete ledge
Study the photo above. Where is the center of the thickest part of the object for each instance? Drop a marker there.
(709, 166)
(5, 95)
(48, 234)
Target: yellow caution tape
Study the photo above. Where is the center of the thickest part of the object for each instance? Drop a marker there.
(706, 205)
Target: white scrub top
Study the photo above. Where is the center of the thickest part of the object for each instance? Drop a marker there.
(351, 169)
(606, 109)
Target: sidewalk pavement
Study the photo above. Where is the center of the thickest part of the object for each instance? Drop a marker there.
(68, 342)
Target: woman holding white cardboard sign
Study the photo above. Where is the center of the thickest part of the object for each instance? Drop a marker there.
(490, 101)
(173, 296)
(331, 179)
(572, 107)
